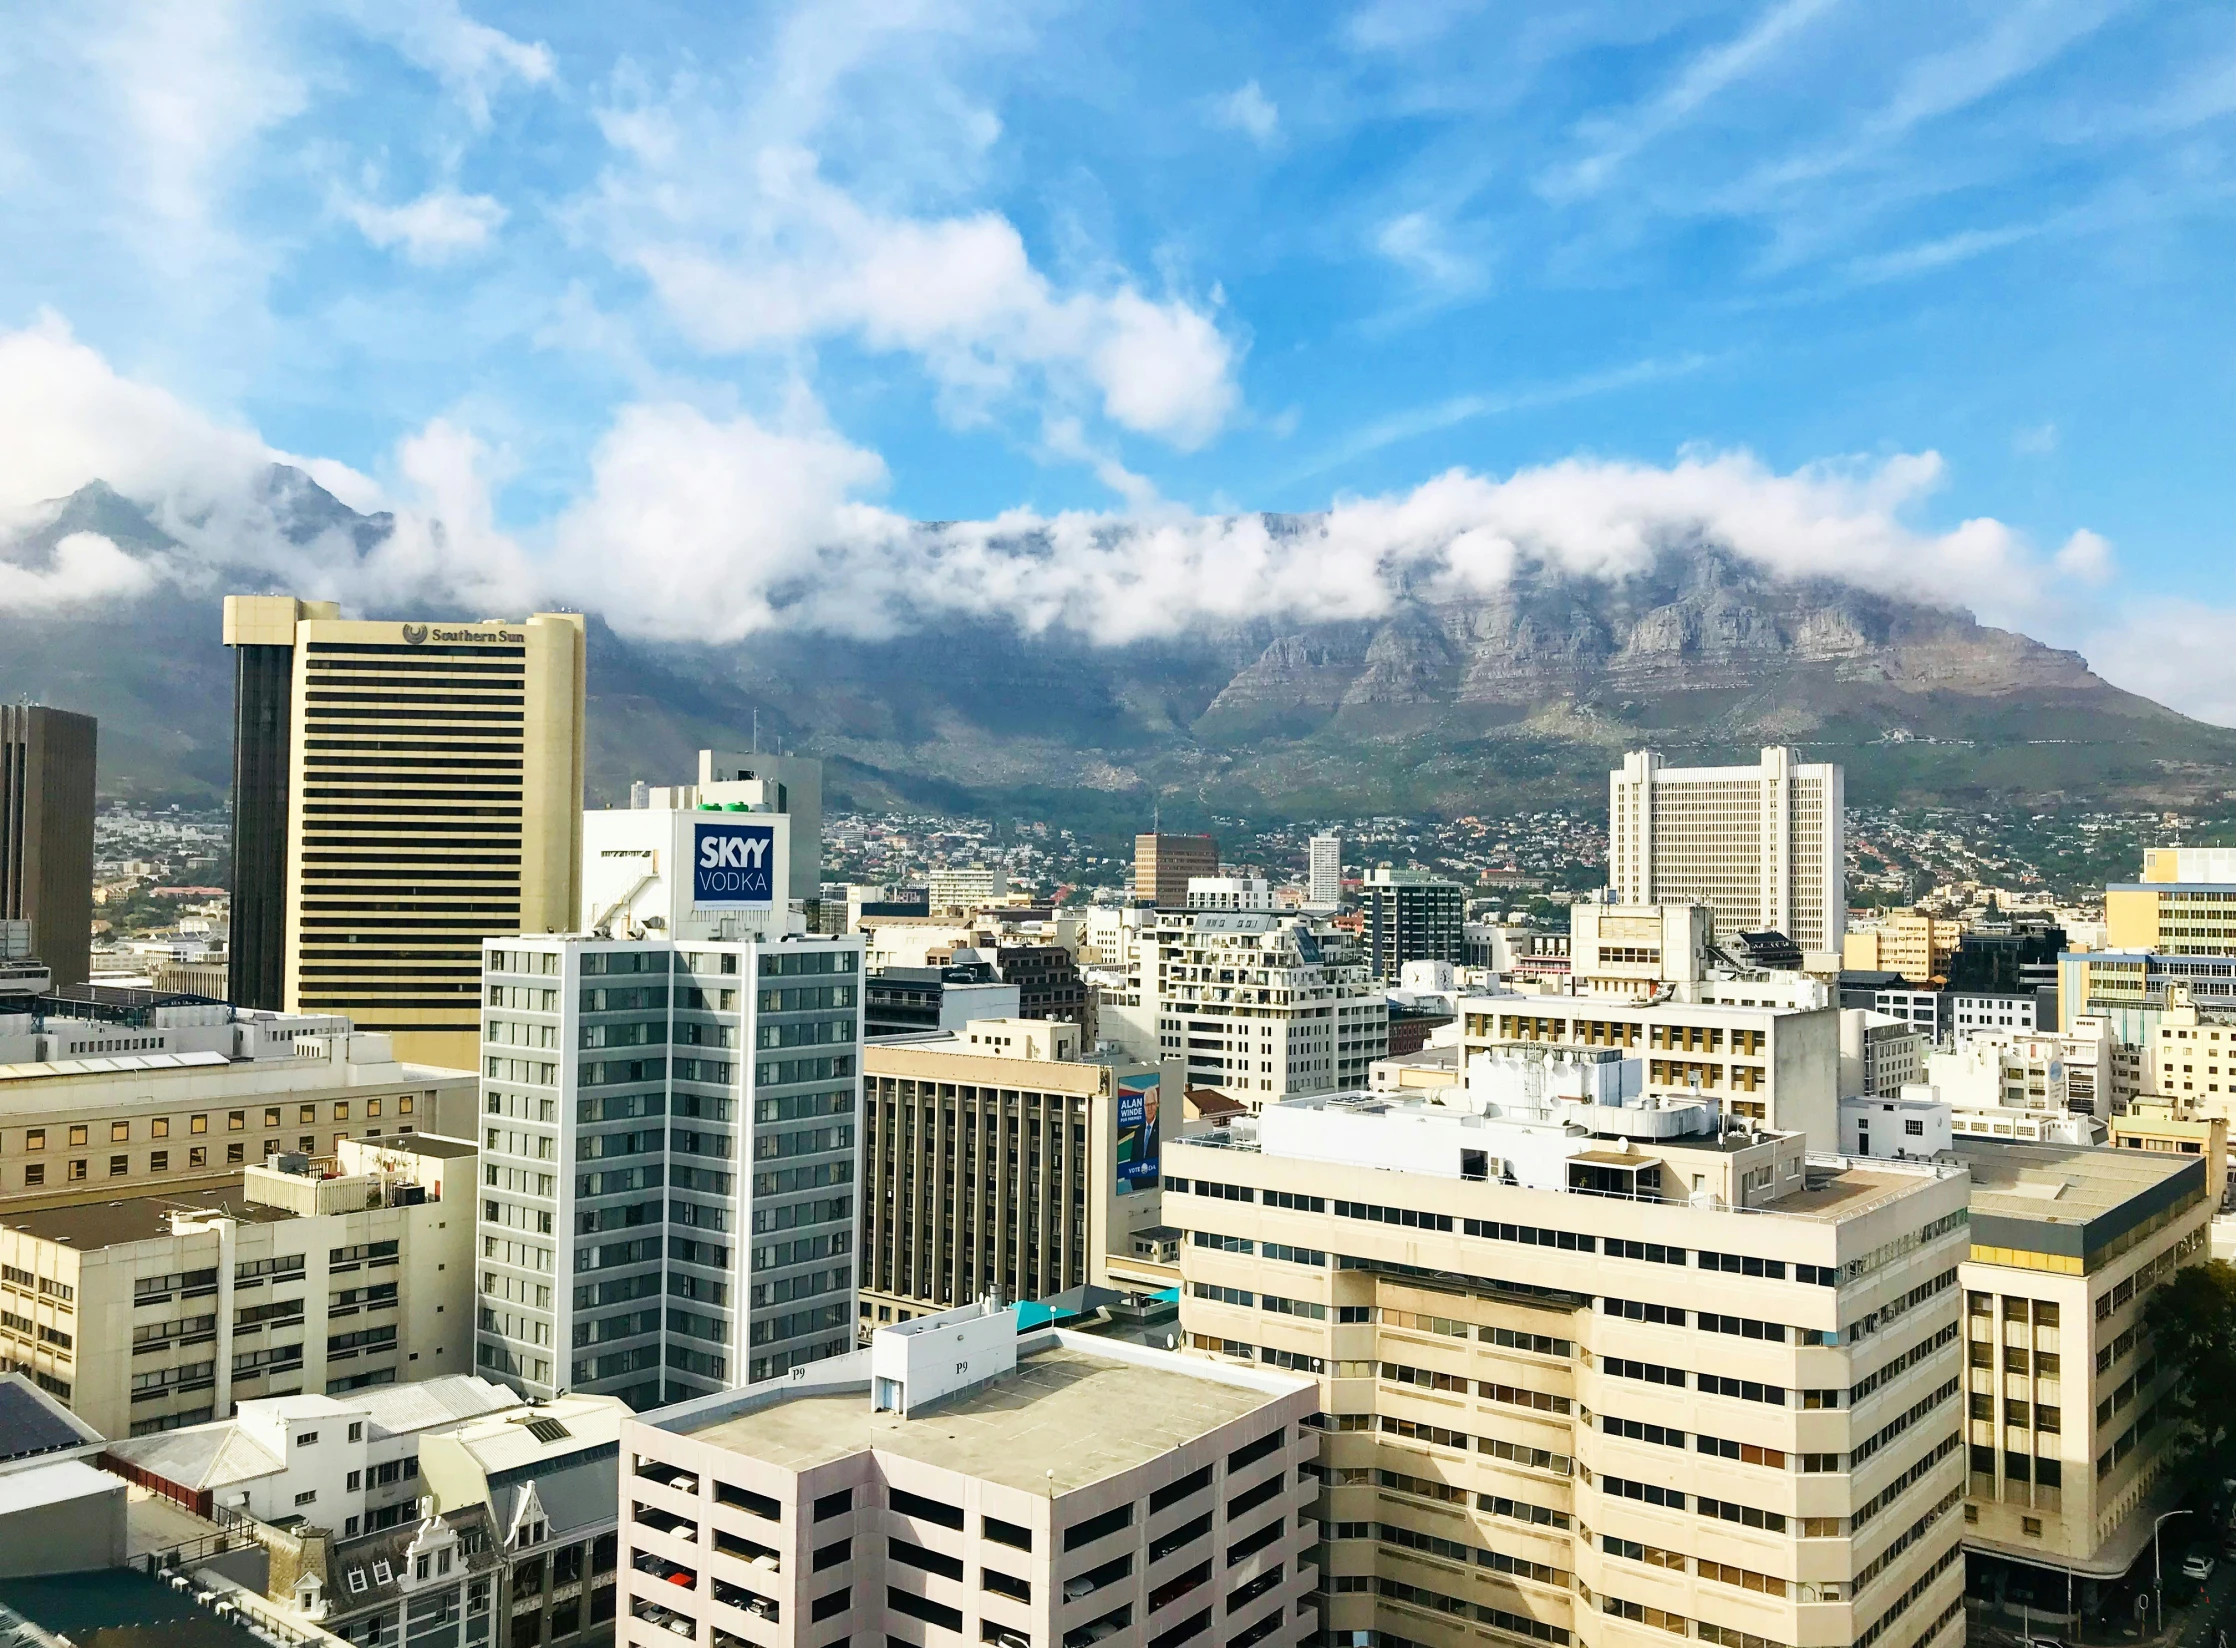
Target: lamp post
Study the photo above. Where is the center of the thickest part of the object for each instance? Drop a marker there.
(2158, 1575)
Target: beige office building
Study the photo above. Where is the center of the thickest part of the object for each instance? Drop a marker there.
(1760, 845)
(1778, 1069)
(1909, 942)
(1598, 1388)
(418, 790)
(996, 1158)
(955, 1483)
(2067, 1432)
(88, 1127)
(160, 1310)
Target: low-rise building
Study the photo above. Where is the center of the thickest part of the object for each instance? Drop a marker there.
(349, 1464)
(1880, 1054)
(1000, 1158)
(954, 1477)
(2178, 1127)
(103, 1108)
(155, 1311)
(2066, 1430)
(549, 1477)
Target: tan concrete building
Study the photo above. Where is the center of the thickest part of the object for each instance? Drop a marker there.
(157, 1311)
(998, 1158)
(1909, 942)
(1780, 1069)
(2177, 1127)
(2065, 1432)
(956, 1483)
(1630, 951)
(426, 783)
(1582, 1388)
(84, 1127)
(1164, 864)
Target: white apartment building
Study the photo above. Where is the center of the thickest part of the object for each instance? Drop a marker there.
(1324, 872)
(1880, 1054)
(1598, 1385)
(96, 1114)
(156, 1311)
(2002, 1070)
(1629, 951)
(1761, 846)
(346, 1463)
(954, 1478)
(1253, 1005)
(1780, 1070)
(964, 886)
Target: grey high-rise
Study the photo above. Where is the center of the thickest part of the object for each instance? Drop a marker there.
(46, 832)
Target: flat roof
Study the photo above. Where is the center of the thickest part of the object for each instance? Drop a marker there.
(115, 1064)
(2068, 1199)
(1064, 1410)
(93, 1225)
(425, 1144)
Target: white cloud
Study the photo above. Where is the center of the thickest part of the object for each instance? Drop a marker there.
(958, 292)
(86, 568)
(2035, 441)
(437, 227)
(473, 60)
(1419, 243)
(1248, 110)
(2086, 558)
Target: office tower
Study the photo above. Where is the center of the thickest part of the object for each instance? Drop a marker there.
(1909, 942)
(46, 832)
(998, 1158)
(2075, 1435)
(1593, 1372)
(1252, 1004)
(404, 790)
(158, 1311)
(1055, 1489)
(1774, 1067)
(669, 1121)
(1761, 846)
(1411, 915)
(1324, 889)
(1163, 865)
(142, 1107)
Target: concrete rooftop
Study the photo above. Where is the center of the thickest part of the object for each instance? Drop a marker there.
(1082, 1416)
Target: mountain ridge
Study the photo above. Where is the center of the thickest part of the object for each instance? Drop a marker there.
(1445, 703)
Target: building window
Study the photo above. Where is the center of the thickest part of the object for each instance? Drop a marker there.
(77, 1134)
(159, 1161)
(119, 1132)
(197, 1124)
(271, 1117)
(119, 1165)
(341, 1111)
(235, 1154)
(77, 1170)
(306, 1115)
(236, 1120)
(160, 1128)
(35, 1174)
(35, 1139)
(306, 1144)
(199, 1156)
(372, 1107)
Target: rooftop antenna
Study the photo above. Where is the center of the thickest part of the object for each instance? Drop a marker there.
(756, 729)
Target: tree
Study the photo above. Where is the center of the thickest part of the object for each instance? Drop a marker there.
(2191, 1320)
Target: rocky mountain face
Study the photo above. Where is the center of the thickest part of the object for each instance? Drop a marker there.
(1451, 705)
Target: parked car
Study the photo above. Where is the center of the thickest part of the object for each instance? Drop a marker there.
(2198, 1566)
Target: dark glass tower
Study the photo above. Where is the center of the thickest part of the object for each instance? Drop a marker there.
(46, 832)
(261, 631)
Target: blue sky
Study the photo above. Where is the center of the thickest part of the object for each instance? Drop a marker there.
(568, 278)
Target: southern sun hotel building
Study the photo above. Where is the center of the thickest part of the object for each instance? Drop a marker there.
(1593, 1370)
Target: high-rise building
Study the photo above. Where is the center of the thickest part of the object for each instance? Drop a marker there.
(1411, 915)
(1598, 1373)
(402, 791)
(669, 1125)
(1163, 865)
(1252, 1004)
(999, 1158)
(46, 832)
(1054, 1489)
(966, 886)
(793, 786)
(1324, 882)
(1761, 846)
